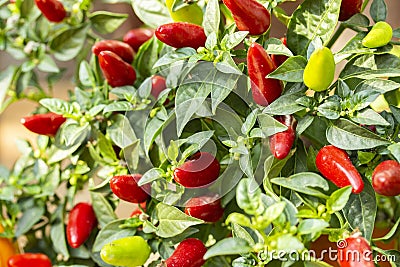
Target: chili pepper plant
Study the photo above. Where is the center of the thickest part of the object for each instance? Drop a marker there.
(234, 148)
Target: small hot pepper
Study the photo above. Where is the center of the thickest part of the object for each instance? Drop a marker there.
(116, 70)
(355, 251)
(336, 166)
(189, 253)
(82, 220)
(120, 48)
(53, 10)
(386, 178)
(279, 59)
(136, 37)
(181, 34)
(207, 208)
(29, 260)
(281, 143)
(348, 8)
(126, 187)
(45, 124)
(259, 65)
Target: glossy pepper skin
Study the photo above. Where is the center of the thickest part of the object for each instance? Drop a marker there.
(44, 124)
(158, 84)
(320, 69)
(249, 15)
(126, 187)
(53, 10)
(116, 71)
(336, 166)
(136, 37)
(189, 253)
(259, 65)
(279, 59)
(380, 35)
(348, 8)
(207, 208)
(123, 50)
(82, 220)
(29, 260)
(200, 170)
(386, 178)
(355, 252)
(191, 13)
(281, 143)
(181, 34)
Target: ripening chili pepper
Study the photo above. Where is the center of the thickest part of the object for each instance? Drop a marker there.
(380, 35)
(249, 15)
(29, 260)
(158, 84)
(53, 10)
(138, 209)
(126, 187)
(200, 170)
(386, 178)
(123, 50)
(207, 208)
(81, 222)
(136, 37)
(348, 8)
(259, 65)
(7, 249)
(355, 251)
(116, 71)
(336, 166)
(44, 124)
(191, 13)
(320, 69)
(189, 253)
(281, 143)
(279, 59)
(126, 251)
(181, 34)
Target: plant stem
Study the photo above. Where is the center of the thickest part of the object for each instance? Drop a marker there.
(336, 36)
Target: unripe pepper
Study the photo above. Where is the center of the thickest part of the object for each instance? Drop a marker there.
(189, 253)
(127, 251)
(158, 84)
(29, 260)
(380, 35)
(336, 166)
(320, 70)
(259, 65)
(200, 170)
(181, 34)
(386, 178)
(348, 8)
(123, 50)
(355, 252)
(116, 71)
(81, 222)
(249, 15)
(136, 37)
(281, 143)
(53, 10)
(126, 187)
(45, 124)
(279, 59)
(191, 13)
(207, 208)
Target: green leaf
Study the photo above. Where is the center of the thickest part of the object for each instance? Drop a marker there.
(67, 44)
(30, 216)
(172, 221)
(57, 232)
(305, 183)
(232, 40)
(249, 122)
(152, 12)
(369, 117)
(106, 22)
(310, 226)
(330, 109)
(377, 85)
(147, 56)
(121, 131)
(211, 18)
(111, 232)
(228, 246)
(173, 151)
(238, 219)
(360, 211)
(86, 75)
(338, 199)
(102, 208)
(174, 56)
(303, 124)
(118, 106)
(291, 70)
(47, 64)
(276, 47)
(346, 135)
(274, 211)
(378, 10)
(390, 234)
(284, 105)
(6, 77)
(239, 232)
(248, 197)
(395, 150)
(311, 19)
(57, 105)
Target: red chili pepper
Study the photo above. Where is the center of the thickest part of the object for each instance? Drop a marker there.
(279, 59)
(158, 84)
(386, 178)
(189, 253)
(336, 166)
(355, 251)
(137, 210)
(348, 8)
(201, 170)
(116, 71)
(29, 260)
(207, 208)
(53, 10)
(259, 65)
(249, 15)
(82, 220)
(45, 124)
(122, 49)
(181, 34)
(136, 37)
(126, 187)
(281, 143)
